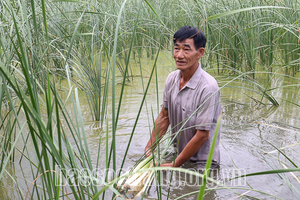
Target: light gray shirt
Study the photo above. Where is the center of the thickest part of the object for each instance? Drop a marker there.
(201, 93)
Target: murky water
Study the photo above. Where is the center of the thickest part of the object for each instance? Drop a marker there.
(248, 130)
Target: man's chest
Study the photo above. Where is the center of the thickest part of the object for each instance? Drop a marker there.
(183, 104)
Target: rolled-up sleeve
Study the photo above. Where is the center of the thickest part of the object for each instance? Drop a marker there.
(168, 85)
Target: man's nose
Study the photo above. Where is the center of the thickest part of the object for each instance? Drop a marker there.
(180, 53)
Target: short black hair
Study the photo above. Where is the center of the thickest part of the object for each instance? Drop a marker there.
(188, 32)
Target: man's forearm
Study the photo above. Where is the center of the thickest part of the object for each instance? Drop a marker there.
(161, 126)
(192, 147)
(159, 130)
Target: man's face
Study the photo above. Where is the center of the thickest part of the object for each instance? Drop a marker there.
(186, 56)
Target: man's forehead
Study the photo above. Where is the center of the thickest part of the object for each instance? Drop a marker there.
(186, 42)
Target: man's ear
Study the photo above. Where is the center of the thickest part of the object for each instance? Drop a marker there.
(201, 51)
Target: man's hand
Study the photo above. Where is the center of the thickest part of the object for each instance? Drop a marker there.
(168, 165)
(148, 150)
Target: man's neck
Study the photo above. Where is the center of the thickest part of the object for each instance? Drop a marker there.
(186, 75)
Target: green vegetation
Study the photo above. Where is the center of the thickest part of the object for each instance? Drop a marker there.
(90, 44)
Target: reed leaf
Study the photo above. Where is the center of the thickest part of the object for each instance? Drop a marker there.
(209, 160)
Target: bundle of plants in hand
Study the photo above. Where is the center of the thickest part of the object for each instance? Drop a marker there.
(138, 182)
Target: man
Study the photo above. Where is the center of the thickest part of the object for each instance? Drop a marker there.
(187, 90)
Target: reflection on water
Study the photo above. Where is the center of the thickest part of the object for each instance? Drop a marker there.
(248, 129)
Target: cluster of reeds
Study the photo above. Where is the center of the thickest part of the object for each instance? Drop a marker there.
(242, 37)
(90, 43)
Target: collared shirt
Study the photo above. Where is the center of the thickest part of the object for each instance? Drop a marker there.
(196, 106)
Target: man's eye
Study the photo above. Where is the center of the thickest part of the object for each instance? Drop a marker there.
(186, 49)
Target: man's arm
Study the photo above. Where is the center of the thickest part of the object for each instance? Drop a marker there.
(190, 149)
(162, 123)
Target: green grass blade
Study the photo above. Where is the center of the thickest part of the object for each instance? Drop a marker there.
(208, 162)
(242, 10)
(11, 151)
(276, 171)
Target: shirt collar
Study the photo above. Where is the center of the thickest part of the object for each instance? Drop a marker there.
(194, 80)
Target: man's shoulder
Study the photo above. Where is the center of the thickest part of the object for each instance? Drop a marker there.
(209, 82)
(173, 76)
(174, 73)
(171, 80)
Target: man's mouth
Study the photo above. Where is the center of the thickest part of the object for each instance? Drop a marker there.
(180, 62)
